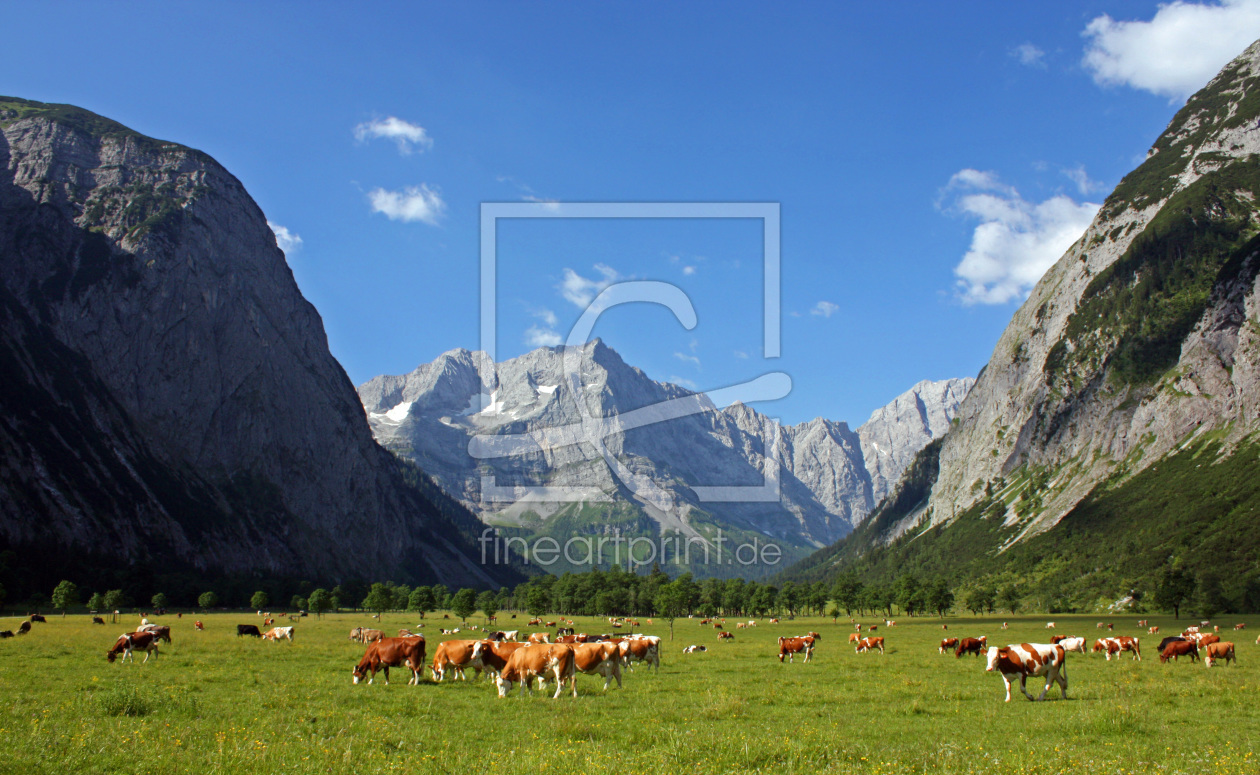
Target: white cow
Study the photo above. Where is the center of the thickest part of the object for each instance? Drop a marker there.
(1030, 659)
(1073, 644)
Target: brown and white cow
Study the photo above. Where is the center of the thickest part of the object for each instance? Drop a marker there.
(1180, 648)
(1073, 644)
(286, 633)
(726, 636)
(971, 646)
(494, 654)
(641, 649)
(946, 644)
(790, 647)
(384, 653)
(129, 642)
(1219, 650)
(1029, 660)
(538, 661)
(539, 637)
(1240, 626)
(598, 659)
(866, 644)
(854, 637)
(1153, 630)
(162, 631)
(455, 656)
(1118, 646)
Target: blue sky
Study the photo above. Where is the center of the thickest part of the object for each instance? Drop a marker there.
(929, 160)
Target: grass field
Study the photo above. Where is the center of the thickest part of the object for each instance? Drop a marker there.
(213, 702)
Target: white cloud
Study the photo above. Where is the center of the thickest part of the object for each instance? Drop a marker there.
(403, 133)
(824, 309)
(1030, 55)
(1084, 183)
(415, 203)
(582, 291)
(541, 337)
(1016, 240)
(1175, 53)
(693, 360)
(743, 356)
(546, 316)
(287, 241)
(683, 382)
(688, 270)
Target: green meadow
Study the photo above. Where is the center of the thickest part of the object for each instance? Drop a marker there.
(212, 702)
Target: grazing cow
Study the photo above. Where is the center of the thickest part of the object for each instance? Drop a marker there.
(971, 646)
(1219, 650)
(384, 653)
(538, 661)
(717, 625)
(511, 635)
(1030, 660)
(6, 633)
(726, 636)
(1118, 646)
(1240, 626)
(539, 637)
(129, 642)
(751, 622)
(1153, 630)
(1141, 623)
(1163, 644)
(873, 628)
(1205, 624)
(866, 644)
(24, 628)
(1056, 638)
(97, 620)
(1190, 631)
(774, 621)
(532, 622)
(1100, 625)
(38, 618)
(286, 633)
(1207, 640)
(598, 659)
(944, 626)
(1004, 625)
(947, 644)
(693, 649)
(455, 656)
(889, 623)
(641, 649)
(494, 654)
(405, 633)
(551, 624)
(367, 636)
(1073, 644)
(854, 637)
(790, 647)
(197, 625)
(1179, 648)
(248, 629)
(162, 631)
(1050, 625)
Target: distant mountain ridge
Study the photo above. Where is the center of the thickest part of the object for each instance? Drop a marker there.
(430, 414)
(169, 401)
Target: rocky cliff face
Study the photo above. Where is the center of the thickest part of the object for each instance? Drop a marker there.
(179, 402)
(1140, 341)
(827, 483)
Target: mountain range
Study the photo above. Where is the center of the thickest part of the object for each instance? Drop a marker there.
(829, 477)
(1111, 438)
(170, 408)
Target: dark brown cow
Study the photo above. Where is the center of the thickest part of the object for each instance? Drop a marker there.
(97, 620)
(38, 618)
(384, 653)
(971, 646)
(1180, 648)
(162, 631)
(128, 642)
(790, 647)
(24, 628)
(866, 644)
(1219, 650)
(946, 644)
(248, 629)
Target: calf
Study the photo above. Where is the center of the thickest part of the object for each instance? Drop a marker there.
(248, 629)
(1179, 648)
(1030, 660)
(384, 653)
(1219, 650)
(946, 644)
(197, 625)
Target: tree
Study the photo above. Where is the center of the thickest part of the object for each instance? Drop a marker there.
(488, 604)
(65, 595)
(207, 601)
(379, 599)
(907, 593)
(1211, 600)
(847, 591)
(298, 603)
(671, 602)
(421, 600)
(96, 602)
(940, 598)
(259, 601)
(979, 599)
(320, 600)
(159, 600)
(464, 603)
(1174, 590)
(1010, 597)
(115, 599)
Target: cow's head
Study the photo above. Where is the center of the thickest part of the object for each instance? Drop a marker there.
(992, 660)
(359, 673)
(479, 648)
(503, 683)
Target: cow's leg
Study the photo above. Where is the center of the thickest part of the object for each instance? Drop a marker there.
(385, 670)
(1061, 676)
(1049, 683)
(1023, 686)
(1007, 681)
